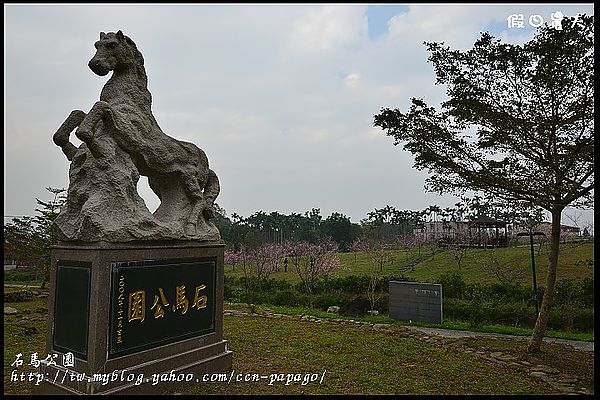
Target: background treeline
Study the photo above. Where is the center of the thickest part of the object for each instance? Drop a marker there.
(27, 239)
(387, 224)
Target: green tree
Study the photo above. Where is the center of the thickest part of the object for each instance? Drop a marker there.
(313, 225)
(378, 254)
(518, 125)
(20, 243)
(46, 236)
(223, 223)
(339, 228)
(388, 223)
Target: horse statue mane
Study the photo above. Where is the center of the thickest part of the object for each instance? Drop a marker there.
(120, 134)
(124, 57)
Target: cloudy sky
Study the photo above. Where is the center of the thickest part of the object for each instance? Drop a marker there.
(280, 97)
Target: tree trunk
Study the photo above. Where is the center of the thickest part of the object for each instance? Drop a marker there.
(542, 319)
(46, 280)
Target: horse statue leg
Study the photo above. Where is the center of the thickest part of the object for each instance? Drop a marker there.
(62, 135)
(85, 132)
(203, 197)
(193, 189)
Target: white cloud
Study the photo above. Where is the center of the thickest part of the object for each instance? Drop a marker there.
(455, 24)
(519, 38)
(216, 127)
(352, 80)
(280, 97)
(326, 27)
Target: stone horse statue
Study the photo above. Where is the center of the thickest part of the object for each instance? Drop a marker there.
(177, 171)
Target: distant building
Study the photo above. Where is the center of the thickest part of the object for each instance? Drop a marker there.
(566, 231)
(479, 232)
(484, 232)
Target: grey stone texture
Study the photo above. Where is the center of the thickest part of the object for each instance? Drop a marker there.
(410, 301)
(10, 310)
(121, 141)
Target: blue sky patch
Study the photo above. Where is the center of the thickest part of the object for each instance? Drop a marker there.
(378, 16)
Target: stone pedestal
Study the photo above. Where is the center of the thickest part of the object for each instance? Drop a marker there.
(137, 318)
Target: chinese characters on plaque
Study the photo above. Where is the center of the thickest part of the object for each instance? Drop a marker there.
(160, 302)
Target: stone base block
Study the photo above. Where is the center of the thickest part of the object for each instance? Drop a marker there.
(127, 318)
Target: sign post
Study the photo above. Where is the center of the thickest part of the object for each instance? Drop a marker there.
(531, 234)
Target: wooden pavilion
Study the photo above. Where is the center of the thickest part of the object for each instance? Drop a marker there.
(488, 232)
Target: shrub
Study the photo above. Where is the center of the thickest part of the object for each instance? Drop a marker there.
(18, 297)
(507, 292)
(23, 275)
(324, 301)
(569, 318)
(382, 304)
(569, 292)
(587, 293)
(278, 284)
(583, 319)
(456, 309)
(513, 313)
(453, 285)
(286, 297)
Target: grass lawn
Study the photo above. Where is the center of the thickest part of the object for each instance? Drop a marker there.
(353, 359)
(351, 264)
(361, 360)
(474, 267)
(24, 333)
(447, 323)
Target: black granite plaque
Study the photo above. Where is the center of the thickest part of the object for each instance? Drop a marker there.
(412, 301)
(159, 302)
(71, 308)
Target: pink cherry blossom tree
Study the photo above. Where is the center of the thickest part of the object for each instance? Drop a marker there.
(312, 260)
(378, 254)
(257, 263)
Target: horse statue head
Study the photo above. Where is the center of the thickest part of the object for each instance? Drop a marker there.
(115, 52)
(118, 53)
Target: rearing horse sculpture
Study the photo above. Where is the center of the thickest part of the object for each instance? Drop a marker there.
(177, 171)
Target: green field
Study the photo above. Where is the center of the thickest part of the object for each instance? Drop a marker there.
(474, 266)
(24, 333)
(350, 359)
(359, 359)
(447, 323)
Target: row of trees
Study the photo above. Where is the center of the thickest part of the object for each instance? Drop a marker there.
(387, 224)
(275, 227)
(28, 240)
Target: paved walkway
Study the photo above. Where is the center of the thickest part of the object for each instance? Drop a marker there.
(449, 333)
(578, 344)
